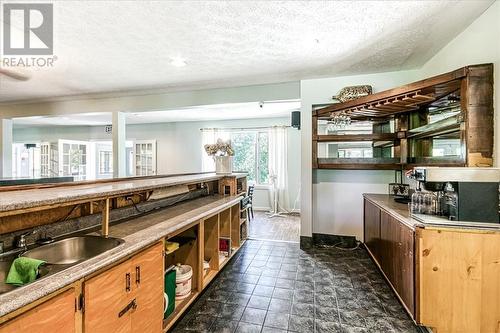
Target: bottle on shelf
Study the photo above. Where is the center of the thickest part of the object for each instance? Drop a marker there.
(417, 202)
(451, 202)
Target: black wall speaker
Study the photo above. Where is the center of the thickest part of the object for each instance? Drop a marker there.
(296, 119)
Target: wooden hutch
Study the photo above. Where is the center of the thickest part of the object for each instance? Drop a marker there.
(446, 120)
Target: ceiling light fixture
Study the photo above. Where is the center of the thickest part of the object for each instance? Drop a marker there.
(178, 62)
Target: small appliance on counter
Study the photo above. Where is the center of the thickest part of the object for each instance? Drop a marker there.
(457, 194)
(398, 190)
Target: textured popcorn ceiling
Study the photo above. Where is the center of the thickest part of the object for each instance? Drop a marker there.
(105, 46)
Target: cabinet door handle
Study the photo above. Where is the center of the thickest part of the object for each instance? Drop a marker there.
(131, 305)
(127, 282)
(137, 274)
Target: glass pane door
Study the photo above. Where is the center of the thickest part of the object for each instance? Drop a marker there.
(145, 158)
(74, 159)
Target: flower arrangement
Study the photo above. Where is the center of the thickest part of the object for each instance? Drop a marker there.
(220, 148)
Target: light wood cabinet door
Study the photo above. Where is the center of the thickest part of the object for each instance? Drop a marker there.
(57, 315)
(105, 296)
(147, 272)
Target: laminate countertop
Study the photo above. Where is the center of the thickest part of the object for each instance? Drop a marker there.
(61, 194)
(138, 233)
(401, 212)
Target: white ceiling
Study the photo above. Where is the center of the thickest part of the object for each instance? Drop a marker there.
(198, 113)
(106, 46)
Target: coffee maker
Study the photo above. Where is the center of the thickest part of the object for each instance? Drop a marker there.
(462, 194)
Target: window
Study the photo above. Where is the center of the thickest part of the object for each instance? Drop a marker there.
(251, 154)
(105, 162)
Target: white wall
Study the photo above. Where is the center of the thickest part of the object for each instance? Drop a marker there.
(479, 43)
(138, 101)
(331, 200)
(178, 145)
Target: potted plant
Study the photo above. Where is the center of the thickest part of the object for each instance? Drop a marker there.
(223, 153)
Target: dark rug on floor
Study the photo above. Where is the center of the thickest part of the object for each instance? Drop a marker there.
(277, 287)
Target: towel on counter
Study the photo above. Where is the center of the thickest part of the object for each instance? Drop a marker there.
(23, 270)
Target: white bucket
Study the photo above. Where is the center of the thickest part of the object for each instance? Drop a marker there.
(183, 281)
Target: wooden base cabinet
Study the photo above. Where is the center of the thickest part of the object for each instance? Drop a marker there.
(448, 278)
(57, 315)
(459, 280)
(128, 297)
(391, 245)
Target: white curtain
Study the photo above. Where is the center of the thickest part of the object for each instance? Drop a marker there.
(278, 167)
(210, 136)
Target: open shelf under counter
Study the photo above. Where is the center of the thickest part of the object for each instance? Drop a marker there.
(180, 307)
(209, 276)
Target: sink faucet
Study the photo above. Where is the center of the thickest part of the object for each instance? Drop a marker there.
(21, 245)
(21, 241)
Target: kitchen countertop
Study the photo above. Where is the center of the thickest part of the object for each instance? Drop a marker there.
(30, 198)
(395, 209)
(401, 212)
(137, 233)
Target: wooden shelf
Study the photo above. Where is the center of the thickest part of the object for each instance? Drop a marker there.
(224, 261)
(359, 163)
(356, 137)
(445, 126)
(180, 307)
(209, 276)
(400, 99)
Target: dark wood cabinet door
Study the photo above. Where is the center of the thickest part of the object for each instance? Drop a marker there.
(372, 228)
(386, 246)
(397, 257)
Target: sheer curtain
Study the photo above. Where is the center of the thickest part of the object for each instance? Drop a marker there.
(278, 167)
(210, 136)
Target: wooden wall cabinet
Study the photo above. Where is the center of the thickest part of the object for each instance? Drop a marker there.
(127, 297)
(445, 120)
(57, 315)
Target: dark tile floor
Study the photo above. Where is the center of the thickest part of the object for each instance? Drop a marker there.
(273, 287)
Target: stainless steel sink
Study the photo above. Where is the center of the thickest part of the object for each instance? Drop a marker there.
(73, 250)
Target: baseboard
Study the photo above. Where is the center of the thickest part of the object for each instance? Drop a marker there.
(267, 209)
(306, 242)
(330, 240)
(261, 209)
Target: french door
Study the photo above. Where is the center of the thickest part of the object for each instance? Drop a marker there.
(145, 157)
(73, 157)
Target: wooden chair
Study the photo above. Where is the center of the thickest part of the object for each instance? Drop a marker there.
(250, 202)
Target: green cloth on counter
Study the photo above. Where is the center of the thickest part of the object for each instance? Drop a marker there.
(23, 270)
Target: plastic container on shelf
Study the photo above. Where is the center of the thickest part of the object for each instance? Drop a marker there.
(169, 291)
(184, 274)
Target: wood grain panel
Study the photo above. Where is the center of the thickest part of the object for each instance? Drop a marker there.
(148, 284)
(459, 280)
(57, 315)
(372, 229)
(225, 223)
(105, 297)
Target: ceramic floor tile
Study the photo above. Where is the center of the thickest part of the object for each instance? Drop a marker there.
(273, 287)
